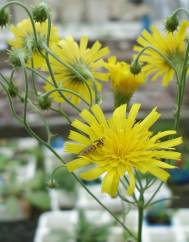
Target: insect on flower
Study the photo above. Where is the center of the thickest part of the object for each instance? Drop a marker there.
(98, 143)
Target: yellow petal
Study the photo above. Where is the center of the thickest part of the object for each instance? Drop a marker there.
(110, 183)
(88, 117)
(75, 136)
(99, 115)
(83, 127)
(150, 119)
(76, 164)
(169, 143)
(172, 155)
(92, 174)
(73, 148)
(131, 186)
(159, 173)
(132, 115)
(163, 134)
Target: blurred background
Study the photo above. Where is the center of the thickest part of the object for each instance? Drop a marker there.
(29, 210)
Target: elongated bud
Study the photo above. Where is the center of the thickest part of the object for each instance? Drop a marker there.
(17, 57)
(52, 184)
(40, 12)
(12, 89)
(135, 67)
(4, 17)
(44, 102)
(172, 23)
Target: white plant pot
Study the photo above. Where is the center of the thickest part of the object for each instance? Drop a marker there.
(182, 221)
(85, 201)
(66, 220)
(98, 217)
(62, 199)
(116, 234)
(163, 234)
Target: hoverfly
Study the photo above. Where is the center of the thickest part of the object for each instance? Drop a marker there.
(98, 143)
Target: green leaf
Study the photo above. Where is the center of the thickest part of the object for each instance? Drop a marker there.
(39, 199)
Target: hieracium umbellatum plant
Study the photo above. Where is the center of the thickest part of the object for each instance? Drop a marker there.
(121, 150)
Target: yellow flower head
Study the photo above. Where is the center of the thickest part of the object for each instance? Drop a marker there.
(120, 146)
(24, 38)
(170, 44)
(87, 61)
(123, 81)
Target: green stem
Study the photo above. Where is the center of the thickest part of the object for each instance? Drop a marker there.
(68, 91)
(125, 199)
(153, 195)
(120, 99)
(159, 53)
(61, 112)
(181, 10)
(181, 87)
(43, 119)
(133, 196)
(26, 96)
(2, 76)
(140, 222)
(33, 79)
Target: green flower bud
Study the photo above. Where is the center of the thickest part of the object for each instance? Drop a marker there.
(12, 89)
(44, 102)
(135, 67)
(17, 57)
(172, 23)
(52, 184)
(4, 17)
(40, 12)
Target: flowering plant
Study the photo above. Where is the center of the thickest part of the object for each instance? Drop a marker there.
(121, 150)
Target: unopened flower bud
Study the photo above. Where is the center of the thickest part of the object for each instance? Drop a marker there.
(135, 68)
(172, 23)
(12, 89)
(52, 184)
(4, 17)
(17, 57)
(40, 12)
(44, 102)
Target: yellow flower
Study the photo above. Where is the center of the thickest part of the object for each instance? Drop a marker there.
(122, 80)
(172, 45)
(87, 61)
(24, 39)
(118, 146)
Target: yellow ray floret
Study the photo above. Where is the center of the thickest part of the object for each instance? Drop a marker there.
(120, 146)
(87, 62)
(122, 80)
(171, 45)
(24, 38)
